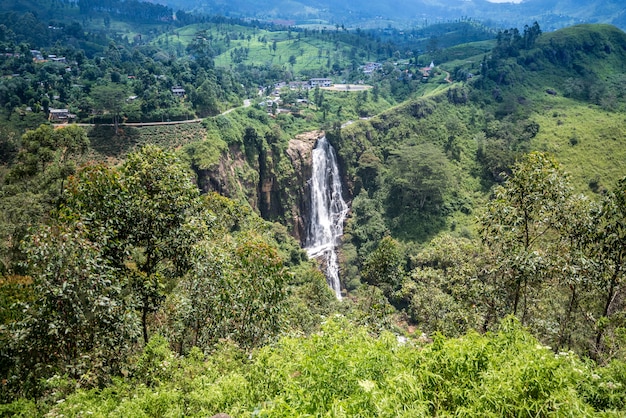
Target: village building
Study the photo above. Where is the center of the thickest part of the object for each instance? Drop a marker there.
(55, 58)
(426, 70)
(321, 82)
(37, 55)
(299, 85)
(370, 67)
(59, 114)
(178, 91)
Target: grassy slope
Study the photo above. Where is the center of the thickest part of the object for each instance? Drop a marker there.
(588, 141)
(586, 134)
(306, 49)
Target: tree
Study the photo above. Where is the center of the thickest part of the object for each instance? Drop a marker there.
(46, 146)
(522, 227)
(366, 226)
(419, 177)
(557, 258)
(610, 250)
(447, 291)
(384, 267)
(35, 184)
(235, 290)
(110, 98)
(204, 99)
(147, 214)
(79, 322)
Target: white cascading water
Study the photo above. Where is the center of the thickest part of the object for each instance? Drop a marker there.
(328, 211)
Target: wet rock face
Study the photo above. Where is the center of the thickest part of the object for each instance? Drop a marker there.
(273, 182)
(300, 152)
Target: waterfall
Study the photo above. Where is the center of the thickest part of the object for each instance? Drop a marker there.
(328, 211)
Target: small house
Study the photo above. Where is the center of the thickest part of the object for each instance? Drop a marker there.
(178, 91)
(58, 114)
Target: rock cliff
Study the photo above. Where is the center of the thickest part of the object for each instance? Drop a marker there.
(272, 179)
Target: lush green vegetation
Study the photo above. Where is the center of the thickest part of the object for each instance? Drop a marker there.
(344, 371)
(129, 287)
(135, 250)
(421, 173)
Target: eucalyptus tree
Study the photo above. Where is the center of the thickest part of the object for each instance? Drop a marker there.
(520, 226)
(610, 250)
(147, 214)
(554, 254)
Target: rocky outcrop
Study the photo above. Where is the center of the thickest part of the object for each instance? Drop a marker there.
(300, 154)
(231, 176)
(272, 180)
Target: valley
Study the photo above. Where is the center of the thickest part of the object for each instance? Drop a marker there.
(167, 186)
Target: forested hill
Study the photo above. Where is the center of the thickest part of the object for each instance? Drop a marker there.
(551, 15)
(421, 173)
(482, 264)
(503, 104)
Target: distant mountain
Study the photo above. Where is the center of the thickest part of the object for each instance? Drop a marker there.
(551, 14)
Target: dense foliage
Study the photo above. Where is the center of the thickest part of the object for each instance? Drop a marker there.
(135, 250)
(344, 371)
(132, 288)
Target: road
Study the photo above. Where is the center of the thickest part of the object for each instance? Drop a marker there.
(246, 103)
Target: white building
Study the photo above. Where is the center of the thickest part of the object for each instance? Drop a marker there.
(321, 82)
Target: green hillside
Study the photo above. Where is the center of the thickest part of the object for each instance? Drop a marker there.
(564, 95)
(302, 51)
(422, 173)
(150, 268)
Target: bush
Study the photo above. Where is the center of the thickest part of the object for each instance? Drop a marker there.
(343, 370)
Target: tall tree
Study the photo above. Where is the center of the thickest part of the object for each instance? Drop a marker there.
(610, 250)
(384, 266)
(147, 214)
(110, 99)
(419, 177)
(539, 235)
(79, 323)
(35, 184)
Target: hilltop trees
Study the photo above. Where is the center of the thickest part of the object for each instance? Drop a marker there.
(509, 42)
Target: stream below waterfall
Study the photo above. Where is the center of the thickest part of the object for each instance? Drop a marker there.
(328, 211)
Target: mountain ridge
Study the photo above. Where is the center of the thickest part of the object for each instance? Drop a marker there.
(550, 14)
